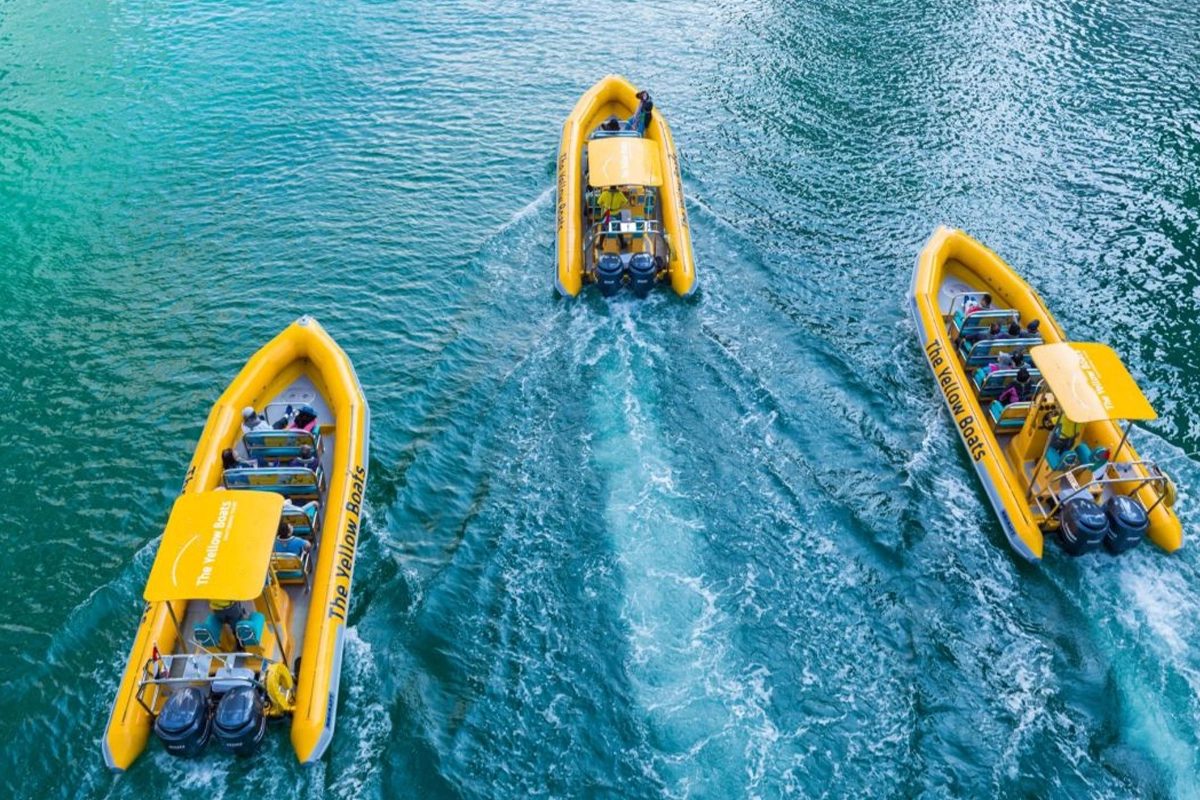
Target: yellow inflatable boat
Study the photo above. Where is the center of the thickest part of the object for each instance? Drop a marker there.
(1045, 421)
(245, 606)
(621, 218)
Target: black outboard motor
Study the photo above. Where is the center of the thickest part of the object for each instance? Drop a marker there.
(240, 721)
(642, 274)
(184, 724)
(1127, 523)
(1084, 526)
(609, 274)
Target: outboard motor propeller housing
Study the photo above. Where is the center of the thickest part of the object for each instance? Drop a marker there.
(609, 273)
(642, 274)
(240, 721)
(1127, 523)
(184, 724)
(1084, 526)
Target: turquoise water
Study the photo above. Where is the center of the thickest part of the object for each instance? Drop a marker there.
(722, 548)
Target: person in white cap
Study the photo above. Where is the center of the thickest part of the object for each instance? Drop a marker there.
(252, 421)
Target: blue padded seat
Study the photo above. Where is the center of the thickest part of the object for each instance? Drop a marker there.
(1094, 458)
(1068, 459)
(1081, 454)
(250, 630)
(208, 632)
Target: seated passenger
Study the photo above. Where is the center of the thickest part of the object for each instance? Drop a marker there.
(1032, 331)
(230, 461)
(1024, 384)
(993, 332)
(252, 421)
(286, 542)
(1013, 332)
(307, 458)
(1019, 390)
(285, 420)
(305, 419)
(981, 304)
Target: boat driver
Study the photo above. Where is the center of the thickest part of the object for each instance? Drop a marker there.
(1064, 434)
(228, 612)
(611, 199)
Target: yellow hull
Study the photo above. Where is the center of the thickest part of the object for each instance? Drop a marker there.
(953, 256)
(303, 348)
(613, 95)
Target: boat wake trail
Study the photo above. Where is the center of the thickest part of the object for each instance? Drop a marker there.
(697, 706)
(1089, 676)
(1143, 614)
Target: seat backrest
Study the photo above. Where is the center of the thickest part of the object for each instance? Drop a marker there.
(995, 383)
(1009, 417)
(250, 630)
(287, 562)
(1015, 411)
(981, 320)
(274, 445)
(985, 352)
(302, 524)
(289, 481)
(208, 633)
(290, 567)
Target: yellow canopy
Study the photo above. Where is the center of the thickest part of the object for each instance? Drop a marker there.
(1090, 382)
(623, 161)
(217, 546)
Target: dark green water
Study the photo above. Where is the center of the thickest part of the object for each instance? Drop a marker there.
(721, 549)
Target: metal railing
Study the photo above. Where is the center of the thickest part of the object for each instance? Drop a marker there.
(622, 133)
(618, 227)
(198, 668)
(1154, 477)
